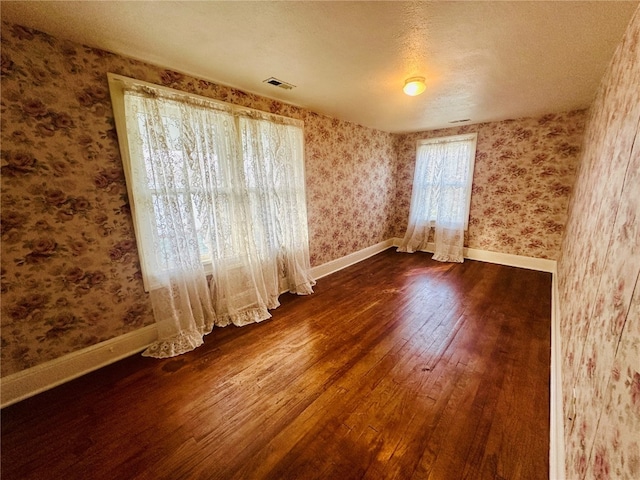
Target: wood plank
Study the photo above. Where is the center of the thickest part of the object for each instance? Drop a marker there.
(397, 367)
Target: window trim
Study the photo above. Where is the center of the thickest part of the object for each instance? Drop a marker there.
(116, 91)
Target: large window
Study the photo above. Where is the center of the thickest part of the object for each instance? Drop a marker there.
(218, 201)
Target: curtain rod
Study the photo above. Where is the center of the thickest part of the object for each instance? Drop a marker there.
(248, 111)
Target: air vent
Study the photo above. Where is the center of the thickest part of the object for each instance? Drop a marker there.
(279, 83)
(461, 121)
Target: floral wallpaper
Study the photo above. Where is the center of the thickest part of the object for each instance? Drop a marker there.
(523, 175)
(70, 275)
(70, 270)
(599, 273)
(350, 187)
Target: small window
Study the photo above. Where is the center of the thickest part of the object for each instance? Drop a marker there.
(442, 180)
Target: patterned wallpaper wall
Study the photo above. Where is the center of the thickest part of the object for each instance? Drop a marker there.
(599, 281)
(523, 175)
(70, 272)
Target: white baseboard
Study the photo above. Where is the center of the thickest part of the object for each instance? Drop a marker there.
(351, 259)
(556, 428)
(508, 259)
(45, 376)
(530, 263)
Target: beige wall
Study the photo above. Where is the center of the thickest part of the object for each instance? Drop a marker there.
(599, 274)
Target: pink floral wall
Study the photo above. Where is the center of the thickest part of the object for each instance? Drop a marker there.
(599, 273)
(523, 175)
(350, 186)
(70, 271)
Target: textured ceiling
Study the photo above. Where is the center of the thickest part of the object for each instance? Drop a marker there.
(483, 61)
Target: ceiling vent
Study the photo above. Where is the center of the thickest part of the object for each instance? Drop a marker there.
(461, 121)
(278, 83)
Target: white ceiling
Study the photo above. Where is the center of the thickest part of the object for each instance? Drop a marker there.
(483, 61)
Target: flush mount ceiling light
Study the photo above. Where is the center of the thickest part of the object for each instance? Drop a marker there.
(414, 86)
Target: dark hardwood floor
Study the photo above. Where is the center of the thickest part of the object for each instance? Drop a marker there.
(396, 368)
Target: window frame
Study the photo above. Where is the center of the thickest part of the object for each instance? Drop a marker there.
(116, 90)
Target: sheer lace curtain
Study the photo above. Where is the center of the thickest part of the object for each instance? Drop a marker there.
(219, 209)
(440, 197)
(277, 201)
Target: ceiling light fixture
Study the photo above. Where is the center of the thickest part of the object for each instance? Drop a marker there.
(414, 86)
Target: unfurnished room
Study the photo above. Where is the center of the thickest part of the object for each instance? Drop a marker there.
(320, 240)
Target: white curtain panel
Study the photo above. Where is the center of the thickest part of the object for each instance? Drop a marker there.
(276, 178)
(440, 197)
(220, 214)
